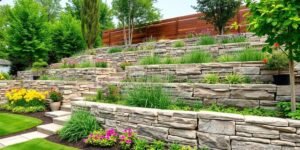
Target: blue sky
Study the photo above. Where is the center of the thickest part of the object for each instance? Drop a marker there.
(169, 8)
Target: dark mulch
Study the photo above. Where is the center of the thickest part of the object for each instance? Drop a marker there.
(79, 145)
(39, 115)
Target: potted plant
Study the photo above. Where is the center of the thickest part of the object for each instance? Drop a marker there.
(55, 100)
(279, 61)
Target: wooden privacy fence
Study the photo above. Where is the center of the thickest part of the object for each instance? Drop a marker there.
(179, 27)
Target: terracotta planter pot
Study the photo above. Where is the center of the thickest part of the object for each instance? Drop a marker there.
(55, 106)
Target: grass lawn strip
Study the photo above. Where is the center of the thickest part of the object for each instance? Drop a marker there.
(38, 144)
(13, 123)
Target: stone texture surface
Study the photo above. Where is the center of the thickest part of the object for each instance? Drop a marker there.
(212, 129)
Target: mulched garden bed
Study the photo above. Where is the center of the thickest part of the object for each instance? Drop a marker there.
(79, 145)
(39, 115)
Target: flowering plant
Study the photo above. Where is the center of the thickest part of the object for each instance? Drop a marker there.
(102, 138)
(126, 139)
(24, 96)
(55, 95)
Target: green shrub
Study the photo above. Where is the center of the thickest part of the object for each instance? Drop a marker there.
(211, 79)
(99, 95)
(115, 50)
(114, 93)
(182, 147)
(234, 79)
(81, 124)
(285, 109)
(85, 64)
(196, 57)
(150, 60)
(235, 39)
(158, 145)
(40, 64)
(101, 64)
(148, 96)
(206, 40)
(250, 54)
(22, 109)
(178, 44)
(5, 76)
(226, 58)
(278, 61)
(140, 144)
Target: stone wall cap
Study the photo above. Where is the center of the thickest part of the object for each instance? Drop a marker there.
(272, 121)
(294, 123)
(220, 116)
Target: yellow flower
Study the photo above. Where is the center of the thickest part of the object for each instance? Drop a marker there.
(24, 94)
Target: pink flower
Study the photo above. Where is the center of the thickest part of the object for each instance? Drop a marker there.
(128, 141)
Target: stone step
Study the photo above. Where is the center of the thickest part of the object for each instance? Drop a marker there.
(54, 114)
(78, 99)
(86, 94)
(66, 107)
(49, 129)
(61, 120)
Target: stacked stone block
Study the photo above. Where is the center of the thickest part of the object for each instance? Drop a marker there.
(215, 130)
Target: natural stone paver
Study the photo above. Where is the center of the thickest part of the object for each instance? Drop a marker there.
(61, 120)
(54, 114)
(33, 135)
(49, 129)
(13, 140)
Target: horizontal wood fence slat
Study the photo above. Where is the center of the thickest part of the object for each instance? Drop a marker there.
(179, 27)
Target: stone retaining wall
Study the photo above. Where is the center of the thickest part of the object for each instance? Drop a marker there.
(84, 74)
(220, 131)
(133, 57)
(240, 95)
(69, 89)
(256, 71)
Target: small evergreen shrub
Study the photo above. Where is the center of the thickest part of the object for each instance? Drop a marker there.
(40, 64)
(81, 124)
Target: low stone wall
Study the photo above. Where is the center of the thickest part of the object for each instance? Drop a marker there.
(133, 57)
(84, 74)
(69, 89)
(256, 71)
(241, 95)
(220, 131)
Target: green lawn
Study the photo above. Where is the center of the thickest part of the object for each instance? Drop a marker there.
(12, 123)
(38, 144)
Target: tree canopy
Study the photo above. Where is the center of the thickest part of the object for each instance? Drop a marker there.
(280, 21)
(133, 13)
(218, 12)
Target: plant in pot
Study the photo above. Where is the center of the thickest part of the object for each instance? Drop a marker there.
(55, 100)
(279, 61)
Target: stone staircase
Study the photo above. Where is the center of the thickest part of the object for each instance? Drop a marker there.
(59, 119)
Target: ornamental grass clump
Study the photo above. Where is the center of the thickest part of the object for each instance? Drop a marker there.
(81, 124)
(196, 57)
(250, 54)
(150, 60)
(148, 96)
(178, 44)
(206, 40)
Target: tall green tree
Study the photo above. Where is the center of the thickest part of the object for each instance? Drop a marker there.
(52, 7)
(28, 35)
(134, 13)
(66, 38)
(105, 19)
(280, 21)
(218, 12)
(4, 10)
(90, 21)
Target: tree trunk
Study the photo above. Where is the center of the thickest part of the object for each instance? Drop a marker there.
(292, 85)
